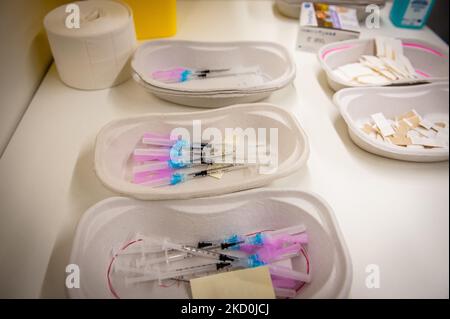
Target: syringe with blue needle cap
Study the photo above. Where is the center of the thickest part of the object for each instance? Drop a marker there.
(180, 156)
(223, 261)
(167, 245)
(173, 149)
(156, 274)
(184, 74)
(285, 236)
(262, 257)
(166, 178)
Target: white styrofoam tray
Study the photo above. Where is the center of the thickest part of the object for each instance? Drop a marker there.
(430, 61)
(292, 8)
(116, 141)
(110, 223)
(357, 105)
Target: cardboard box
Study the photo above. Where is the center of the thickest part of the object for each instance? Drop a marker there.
(321, 24)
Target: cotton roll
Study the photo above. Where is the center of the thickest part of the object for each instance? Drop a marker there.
(95, 54)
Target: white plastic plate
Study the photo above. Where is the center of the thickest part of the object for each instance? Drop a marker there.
(357, 105)
(117, 140)
(111, 222)
(431, 62)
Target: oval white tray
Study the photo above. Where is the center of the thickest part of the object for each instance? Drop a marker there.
(275, 62)
(116, 141)
(430, 61)
(358, 104)
(111, 222)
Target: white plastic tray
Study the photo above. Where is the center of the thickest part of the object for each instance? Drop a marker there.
(429, 100)
(110, 223)
(274, 61)
(429, 61)
(116, 141)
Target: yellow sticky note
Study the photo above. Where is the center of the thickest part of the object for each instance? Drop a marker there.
(252, 283)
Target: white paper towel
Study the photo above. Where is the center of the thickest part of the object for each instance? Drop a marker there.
(96, 55)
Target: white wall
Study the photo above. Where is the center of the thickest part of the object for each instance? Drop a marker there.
(24, 58)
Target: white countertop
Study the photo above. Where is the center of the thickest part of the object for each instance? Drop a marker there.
(393, 214)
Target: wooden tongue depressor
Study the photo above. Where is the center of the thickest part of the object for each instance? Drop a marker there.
(389, 66)
(408, 130)
(383, 125)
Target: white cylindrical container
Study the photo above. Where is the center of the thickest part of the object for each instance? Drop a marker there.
(94, 53)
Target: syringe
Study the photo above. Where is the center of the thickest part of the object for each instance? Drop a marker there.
(282, 274)
(198, 252)
(170, 178)
(282, 237)
(184, 74)
(168, 258)
(182, 151)
(176, 273)
(157, 274)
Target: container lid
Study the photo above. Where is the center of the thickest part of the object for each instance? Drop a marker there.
(97, 17)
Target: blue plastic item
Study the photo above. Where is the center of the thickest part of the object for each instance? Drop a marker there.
(176, 179)
(411, 14)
